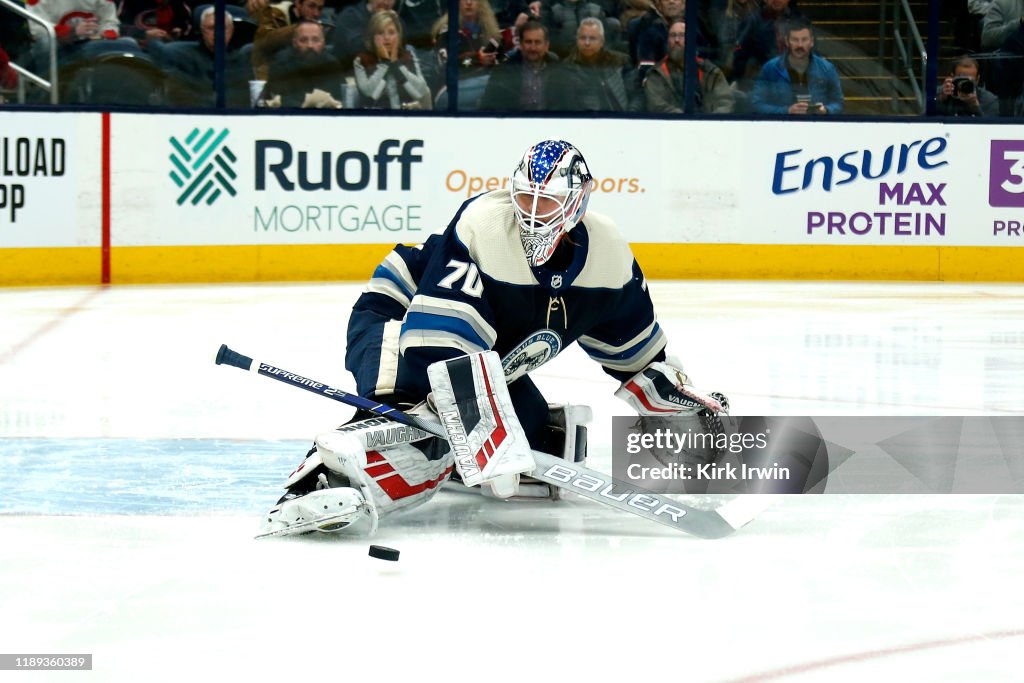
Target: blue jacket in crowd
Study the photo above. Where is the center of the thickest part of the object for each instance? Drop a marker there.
(774, 93)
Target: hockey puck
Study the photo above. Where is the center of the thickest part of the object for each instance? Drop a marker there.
(382, 553)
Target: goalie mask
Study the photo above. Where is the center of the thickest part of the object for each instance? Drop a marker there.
(550, 189)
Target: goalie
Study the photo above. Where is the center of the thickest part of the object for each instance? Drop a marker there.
(452, 326)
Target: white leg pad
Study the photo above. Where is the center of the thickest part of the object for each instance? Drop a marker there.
(393, 479)
(476, 410)
(380, 482)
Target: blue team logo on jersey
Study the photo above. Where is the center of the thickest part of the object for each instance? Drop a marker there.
(533, 352)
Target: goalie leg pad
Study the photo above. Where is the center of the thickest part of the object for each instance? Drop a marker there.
(476, 410)
(373, 433)
(394, 478)
(343, 484)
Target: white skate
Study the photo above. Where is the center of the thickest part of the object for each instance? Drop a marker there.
(325, 510)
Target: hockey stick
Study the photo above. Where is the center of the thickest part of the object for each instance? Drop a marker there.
(554, 471)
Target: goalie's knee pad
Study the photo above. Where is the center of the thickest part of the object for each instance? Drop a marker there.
(572, 422)
(565, 436)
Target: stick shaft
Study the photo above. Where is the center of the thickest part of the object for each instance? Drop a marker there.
(226, 356)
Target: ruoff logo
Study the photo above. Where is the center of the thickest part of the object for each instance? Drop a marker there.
(202, 166)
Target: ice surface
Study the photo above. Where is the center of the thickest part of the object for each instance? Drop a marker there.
(135, 472)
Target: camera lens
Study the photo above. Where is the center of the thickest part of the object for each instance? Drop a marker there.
(963, 85)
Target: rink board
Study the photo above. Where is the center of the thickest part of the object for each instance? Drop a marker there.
(131, 198)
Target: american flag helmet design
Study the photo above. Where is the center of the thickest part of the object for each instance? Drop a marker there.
(550, 189)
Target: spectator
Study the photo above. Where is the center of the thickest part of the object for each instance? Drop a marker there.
(664, 85)
(600, 86)
(482, 45)
(726, 22)
(350, 34)
(565, 19)
(979, 8)
(761, 37)
(275, 25)
(76, 21)
(798, 81)
(648, 35)
(1005, 69)
(152, 20)
(303, 67)
(388, 74)
(190, 66)
(965, 16)
(418, 18)
(531, 79)
(82, 27)
(481, 41)
(1003, 19)
(961, 94)
(632, 11)
(514, 13)
(649, 43)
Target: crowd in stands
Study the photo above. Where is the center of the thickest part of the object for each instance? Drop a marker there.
(513, 55)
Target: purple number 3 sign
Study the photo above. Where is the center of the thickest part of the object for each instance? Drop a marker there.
(1006, 173)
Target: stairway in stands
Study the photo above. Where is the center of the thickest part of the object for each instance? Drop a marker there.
(850, 34)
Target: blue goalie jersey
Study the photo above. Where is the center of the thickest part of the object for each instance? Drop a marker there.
(471, 289)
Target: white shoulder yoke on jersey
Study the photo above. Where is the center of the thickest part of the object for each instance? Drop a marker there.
(488, 230)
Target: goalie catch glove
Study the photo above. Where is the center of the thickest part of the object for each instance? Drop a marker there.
(662, 388)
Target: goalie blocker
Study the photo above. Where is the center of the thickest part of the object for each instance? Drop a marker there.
(370, 468)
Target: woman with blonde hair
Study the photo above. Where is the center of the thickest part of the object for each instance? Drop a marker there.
(481, 41)
(388, 75)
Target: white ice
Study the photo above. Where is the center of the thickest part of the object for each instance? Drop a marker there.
(110, 401)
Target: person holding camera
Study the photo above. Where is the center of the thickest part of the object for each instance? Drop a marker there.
(960, 94)
(482, 42)
(798, 81)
